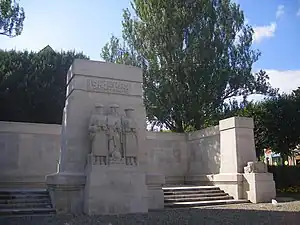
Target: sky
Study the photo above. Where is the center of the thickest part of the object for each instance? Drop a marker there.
(87, 25)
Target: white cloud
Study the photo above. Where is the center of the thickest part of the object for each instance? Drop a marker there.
(285, 80)
(264, 32)
(298, 12)
(280, 11)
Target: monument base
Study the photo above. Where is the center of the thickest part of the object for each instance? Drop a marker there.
(259, 187)
(115, 189)
(231, 183)
(155, 183)
(66, 192)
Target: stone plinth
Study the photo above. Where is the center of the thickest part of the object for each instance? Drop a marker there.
(66, 192)
(236, 144)
(259, 187)
(240, 175)
(236, 149)
(115, 189)
(231, 183)
(155, 192)
(104, 116)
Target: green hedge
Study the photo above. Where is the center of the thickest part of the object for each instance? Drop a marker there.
(285, 176)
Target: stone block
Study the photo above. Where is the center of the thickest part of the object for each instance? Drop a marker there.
(155, 193)
(259, 187)
(230, 183)
(115, 189)
(66, 192)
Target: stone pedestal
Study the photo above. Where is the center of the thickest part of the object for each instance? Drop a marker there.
(259, 187)
(66, 192)
(104, 116)
(237, 146)
(231, 183)
(236, 149)
(154, 182)
(240, 175)
(115, 189)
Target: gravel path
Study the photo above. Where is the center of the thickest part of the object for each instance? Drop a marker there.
(285, 213)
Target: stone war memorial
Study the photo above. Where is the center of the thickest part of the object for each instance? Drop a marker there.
(102, 160)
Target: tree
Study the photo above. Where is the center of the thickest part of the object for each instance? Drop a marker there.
(276, 122)
(33, 85)
(194, 56)
(11, 18)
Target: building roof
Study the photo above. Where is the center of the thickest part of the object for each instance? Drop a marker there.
(47, 48)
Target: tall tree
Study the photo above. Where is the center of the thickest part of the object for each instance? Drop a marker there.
(276, 122)
(194, 55)
(33, 85)
(11, 18)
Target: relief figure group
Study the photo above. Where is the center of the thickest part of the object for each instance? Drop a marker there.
(112, 135)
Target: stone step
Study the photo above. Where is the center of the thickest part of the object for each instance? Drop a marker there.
(26, 205)
(203, 203)
(192, 191)
(186, 188)
(193, 199)
(6, 194)
(28, 211)
(177, 196)
(25, 200)
(23, 196)
(22, 191)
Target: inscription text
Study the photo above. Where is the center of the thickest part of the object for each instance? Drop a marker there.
(109, 86)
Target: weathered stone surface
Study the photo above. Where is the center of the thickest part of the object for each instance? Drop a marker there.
(256, 167)
(107, 156)
(115, 189)
(28, 153)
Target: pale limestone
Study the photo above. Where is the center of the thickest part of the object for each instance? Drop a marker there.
(28, 152)
(114, 190)
(90, 172)
(259, 187)
(117, 89)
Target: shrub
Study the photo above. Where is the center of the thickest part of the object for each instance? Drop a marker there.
(287, 178)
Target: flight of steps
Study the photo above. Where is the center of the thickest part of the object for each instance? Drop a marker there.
(196, 196)
(25, 202)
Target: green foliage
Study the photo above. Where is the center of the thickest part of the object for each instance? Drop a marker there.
(33, 85)
(11, 18)
(286, 176)
(194, 56)
(276, 122)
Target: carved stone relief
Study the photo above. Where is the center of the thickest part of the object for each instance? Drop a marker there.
(98, 131)
(256, 167)
(108, 86)
(114, 127)
(130, 134)
(112, 135)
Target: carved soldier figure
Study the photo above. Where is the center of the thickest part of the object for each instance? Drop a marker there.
(114, 134)
(98, 131)
(130, 133)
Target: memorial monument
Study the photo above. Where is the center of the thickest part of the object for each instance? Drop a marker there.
(102, 168)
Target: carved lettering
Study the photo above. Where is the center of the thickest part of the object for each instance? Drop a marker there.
(109, 86)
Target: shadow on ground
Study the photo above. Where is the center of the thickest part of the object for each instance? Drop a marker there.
(172, 217)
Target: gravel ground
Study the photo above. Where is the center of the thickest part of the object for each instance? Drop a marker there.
(285, 213)
(284, 205)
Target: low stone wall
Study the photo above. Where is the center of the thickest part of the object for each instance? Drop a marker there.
(28, 152)
(168, 155)
(204, 154)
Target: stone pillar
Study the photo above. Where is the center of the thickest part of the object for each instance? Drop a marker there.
(91, 83)
(236, 149)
